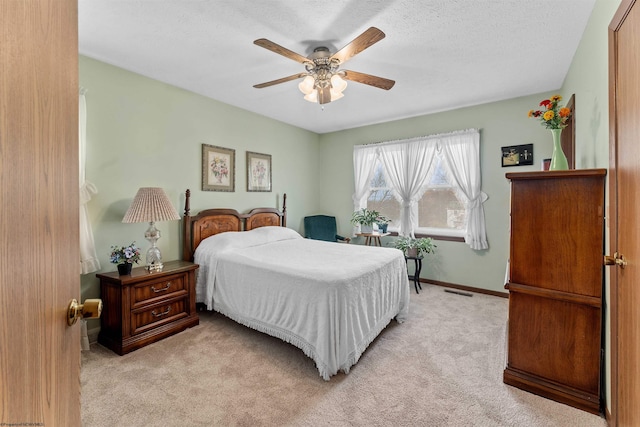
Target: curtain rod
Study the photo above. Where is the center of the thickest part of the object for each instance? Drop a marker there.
(436, 135)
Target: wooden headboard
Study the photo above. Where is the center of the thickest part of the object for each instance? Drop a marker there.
(213, 221)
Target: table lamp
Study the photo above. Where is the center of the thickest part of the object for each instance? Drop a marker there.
(152, 205)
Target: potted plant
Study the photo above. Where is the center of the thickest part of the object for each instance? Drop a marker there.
(413, 247)
(366, 218)
(124, 257)
(383, 223)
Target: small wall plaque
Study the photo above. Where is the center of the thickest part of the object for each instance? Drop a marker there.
(517, 155)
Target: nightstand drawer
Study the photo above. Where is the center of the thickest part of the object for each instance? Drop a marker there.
(164, 287)
(158, 315)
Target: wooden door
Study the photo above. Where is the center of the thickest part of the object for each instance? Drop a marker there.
(624, 63)
(568, 136)
(39, 210)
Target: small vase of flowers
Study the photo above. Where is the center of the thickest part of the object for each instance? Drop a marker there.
(553, 116)
(124, 257)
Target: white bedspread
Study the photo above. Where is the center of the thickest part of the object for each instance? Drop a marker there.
(329, 299)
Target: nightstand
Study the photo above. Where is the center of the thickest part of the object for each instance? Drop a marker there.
(147, 306)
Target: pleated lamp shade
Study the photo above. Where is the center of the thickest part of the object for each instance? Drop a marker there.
(150, 205)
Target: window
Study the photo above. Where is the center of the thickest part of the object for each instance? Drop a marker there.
(425, 185)
(441, 212)
(381, 198)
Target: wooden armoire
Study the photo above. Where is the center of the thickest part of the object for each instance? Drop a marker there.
(555, 283)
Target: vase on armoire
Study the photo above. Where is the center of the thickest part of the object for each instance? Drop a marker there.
(558, 159)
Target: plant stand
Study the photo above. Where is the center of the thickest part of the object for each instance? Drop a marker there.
(417, 260)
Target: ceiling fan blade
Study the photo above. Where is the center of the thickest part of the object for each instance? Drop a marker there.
(368, 79)
(274, 47)
(324, 95)
(360, 43)
(282, 80)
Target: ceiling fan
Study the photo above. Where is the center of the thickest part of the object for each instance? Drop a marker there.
(324, 81)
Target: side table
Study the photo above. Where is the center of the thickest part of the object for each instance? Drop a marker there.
(372, 239)
(147, 306)
(417, 260)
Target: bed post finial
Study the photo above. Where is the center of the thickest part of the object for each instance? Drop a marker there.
(284, 210)
(187, 254)
(187, 208)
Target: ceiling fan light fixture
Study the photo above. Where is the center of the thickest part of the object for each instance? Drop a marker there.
(311, 87)
(312, 97)
(306, 85)
(337, 83)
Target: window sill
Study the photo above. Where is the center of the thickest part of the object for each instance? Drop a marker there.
(434, 237)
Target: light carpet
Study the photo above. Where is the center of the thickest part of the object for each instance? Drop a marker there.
(442, 367)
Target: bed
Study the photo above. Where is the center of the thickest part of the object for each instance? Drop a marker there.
(331, 300)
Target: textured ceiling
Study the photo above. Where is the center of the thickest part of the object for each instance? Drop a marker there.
(443, 54)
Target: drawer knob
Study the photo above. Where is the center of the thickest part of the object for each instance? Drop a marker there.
(163, 313)
(153, 288)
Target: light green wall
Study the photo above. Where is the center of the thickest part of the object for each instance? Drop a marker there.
(144, 133)
(588, 79)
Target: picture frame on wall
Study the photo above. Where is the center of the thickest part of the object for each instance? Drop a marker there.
(258, 171)
(517, 155)
(218, 168)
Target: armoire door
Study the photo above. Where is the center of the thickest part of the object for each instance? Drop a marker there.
(39, 210)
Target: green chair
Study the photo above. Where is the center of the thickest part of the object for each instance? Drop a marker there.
(322, 227)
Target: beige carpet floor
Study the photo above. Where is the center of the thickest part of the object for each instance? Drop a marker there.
(442, 367)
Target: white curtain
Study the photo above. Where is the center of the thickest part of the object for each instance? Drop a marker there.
(88, 258)
(406, 166)
(364, 162)
(461, 153)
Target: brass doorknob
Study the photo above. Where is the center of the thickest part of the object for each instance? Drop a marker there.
(91, 309)
(616, 259)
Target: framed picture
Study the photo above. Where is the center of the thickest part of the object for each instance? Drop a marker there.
(258, 172)
(517, 155)
(218, 168)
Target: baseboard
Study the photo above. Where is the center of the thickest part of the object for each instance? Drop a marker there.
(571, 396)
(92, 334)
(465, 288)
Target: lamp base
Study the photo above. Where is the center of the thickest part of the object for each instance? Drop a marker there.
(154, 258)
(154, 267)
